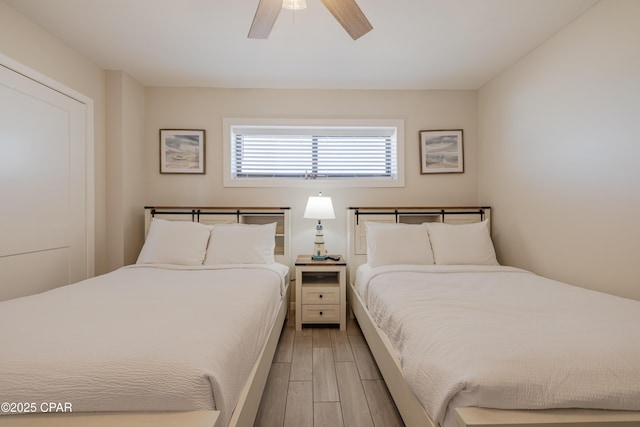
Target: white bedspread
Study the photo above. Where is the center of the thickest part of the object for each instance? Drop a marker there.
(500, 337)
(142, 338)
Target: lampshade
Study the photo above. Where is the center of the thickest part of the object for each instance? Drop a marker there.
(294, 4)
(319, 207)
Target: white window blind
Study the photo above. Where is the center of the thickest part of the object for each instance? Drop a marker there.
(301, 152)
(314, 153)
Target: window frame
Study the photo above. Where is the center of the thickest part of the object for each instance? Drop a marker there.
(230, 181)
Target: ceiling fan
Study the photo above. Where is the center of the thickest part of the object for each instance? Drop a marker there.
(347, 12)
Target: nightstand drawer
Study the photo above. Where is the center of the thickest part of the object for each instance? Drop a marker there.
(321, 295)
(321, 313)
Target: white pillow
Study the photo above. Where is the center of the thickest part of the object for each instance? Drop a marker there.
(462, 244)
(389, 244)
(175, 242)
(241, 244)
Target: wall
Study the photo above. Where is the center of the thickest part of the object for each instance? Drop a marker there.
(201, 108)
(25, 42)
(125, 168)
(120, 162)
(558, 153)
(557, 134)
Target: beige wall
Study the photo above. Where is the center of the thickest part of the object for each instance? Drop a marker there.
(203, 108)
(125, 168)
(558, 154)
(28, 44)
(120, 161)
(551, 144)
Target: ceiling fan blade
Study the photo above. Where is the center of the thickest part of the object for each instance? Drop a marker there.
(266, 15)
(350, 16)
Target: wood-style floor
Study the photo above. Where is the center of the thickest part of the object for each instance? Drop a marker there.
(325, 377)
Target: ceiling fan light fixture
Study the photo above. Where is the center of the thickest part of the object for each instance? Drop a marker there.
(346, 12)
(294, 4)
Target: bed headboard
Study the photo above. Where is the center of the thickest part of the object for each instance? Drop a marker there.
(231, 215)
(356, 216)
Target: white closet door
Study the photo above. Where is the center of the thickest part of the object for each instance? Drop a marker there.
(43, 220)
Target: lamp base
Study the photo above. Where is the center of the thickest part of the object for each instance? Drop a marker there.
(319, 252)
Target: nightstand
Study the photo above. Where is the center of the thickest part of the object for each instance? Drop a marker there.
(321, 292)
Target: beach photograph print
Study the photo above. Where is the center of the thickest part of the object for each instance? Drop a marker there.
(181, 151)
(441, 151)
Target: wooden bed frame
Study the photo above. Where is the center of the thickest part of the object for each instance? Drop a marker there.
(247, 407)
(410, 408)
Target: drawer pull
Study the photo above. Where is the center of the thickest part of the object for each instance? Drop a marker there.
(320, 313)
(321, 296)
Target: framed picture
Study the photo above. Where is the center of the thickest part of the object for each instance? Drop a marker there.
(441, 151)
(181, 151)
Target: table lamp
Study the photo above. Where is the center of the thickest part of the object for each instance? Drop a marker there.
(319, 207)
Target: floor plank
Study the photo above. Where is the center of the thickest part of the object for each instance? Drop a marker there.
(321, 377)
(341, 346)
(352, 327)
(305, 332)
(321, 337)
(302, 360)
(284, 350)
(364, 360)
(325, 385)
(383, 411)
(327, 414)
(274, 398)
(355, 408)
(299, 412)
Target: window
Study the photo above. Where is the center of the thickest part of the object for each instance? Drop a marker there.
(298, 152)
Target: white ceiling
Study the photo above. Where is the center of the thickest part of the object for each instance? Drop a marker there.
(414, 44)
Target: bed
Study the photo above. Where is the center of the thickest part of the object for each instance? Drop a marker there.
(185, 336)
(462, 340)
